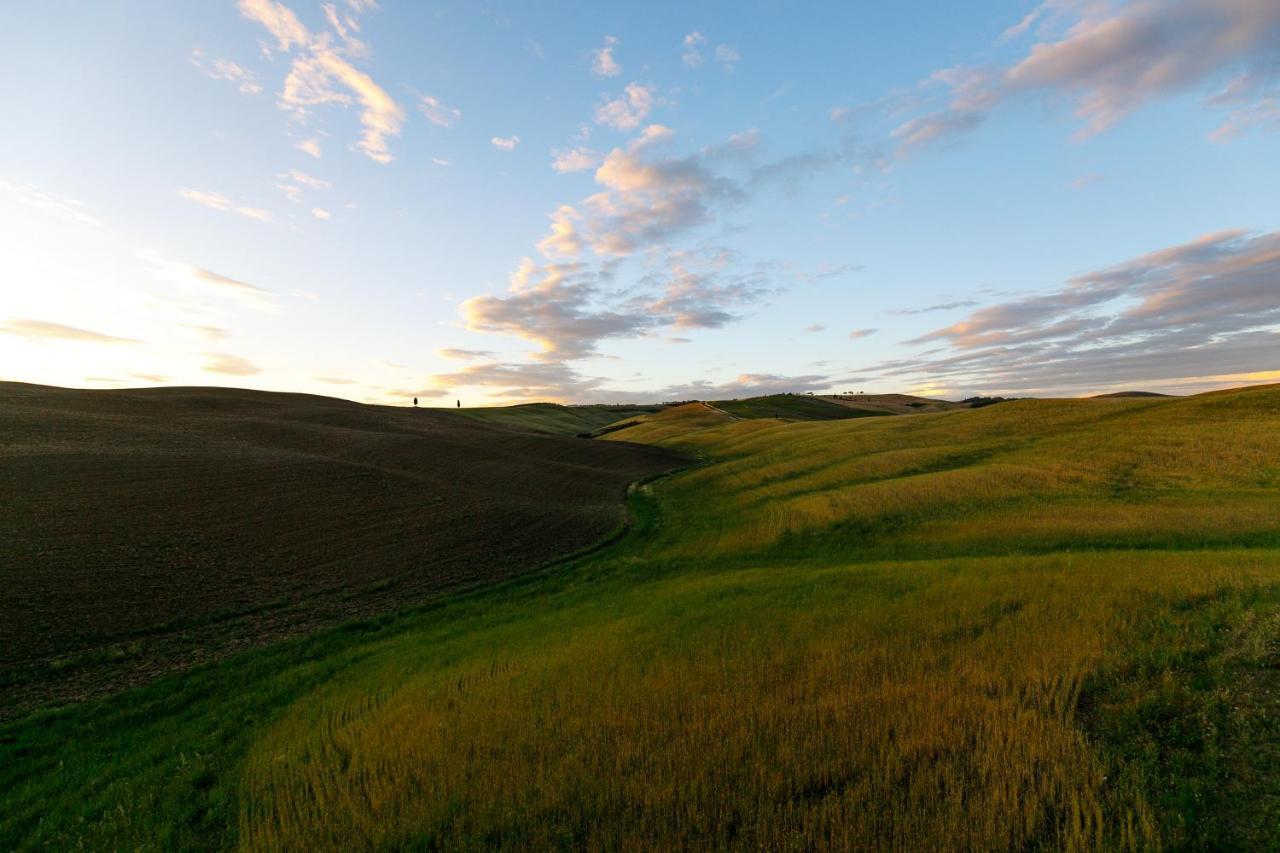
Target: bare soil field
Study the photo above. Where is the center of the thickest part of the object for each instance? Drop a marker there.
(147, 530)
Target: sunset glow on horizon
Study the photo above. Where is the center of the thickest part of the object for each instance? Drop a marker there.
(497, 204)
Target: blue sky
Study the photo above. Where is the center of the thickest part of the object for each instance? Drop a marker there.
(607, 202)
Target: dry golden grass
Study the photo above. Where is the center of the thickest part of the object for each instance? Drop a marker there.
(894, 706)
(749, 674)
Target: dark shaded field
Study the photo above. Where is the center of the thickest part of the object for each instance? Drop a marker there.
(555, 418)
(146, 530)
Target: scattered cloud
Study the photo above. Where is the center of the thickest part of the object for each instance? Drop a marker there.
(746, 385)
(942, 306)
(574, 159)
(346, 26)
(692, 53)
(157, 378)
(310, 146)
(66, 209)
(321, 74)
(567, 308)
(455, 354)
(815, 327)
(437, 113)
(307, 180)
(336, 380)
(218, 201)
(647, 198)
(45, 330)
(1253, 98)
(828, 271)
(563, 241)
(554, 307)
(279, 20)
(862, 333)
(1112, 60)
(213, 333)
(225, 69)
(506, 143)
(727, 57)
(1203, 307)
(627, 111)
(207, 281)
(602, 62)
(321, 213)
(229, 365)
(444, 164)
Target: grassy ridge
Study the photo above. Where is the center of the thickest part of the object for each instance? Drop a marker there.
(1041, 624)
(554, 418)
(796, 407)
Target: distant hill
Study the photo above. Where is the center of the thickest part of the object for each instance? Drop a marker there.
(1120, 394)
(147, 529)
(794, 407)
(554, 418)
(893, 404)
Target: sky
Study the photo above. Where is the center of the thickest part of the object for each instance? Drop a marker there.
(614, 202)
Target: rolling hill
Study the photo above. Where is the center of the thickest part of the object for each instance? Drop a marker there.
(1047, 624)
(555, 418)
(893, 404)
(794, 407)
(146, 530)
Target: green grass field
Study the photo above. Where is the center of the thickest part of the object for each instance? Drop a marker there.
(1043, 624)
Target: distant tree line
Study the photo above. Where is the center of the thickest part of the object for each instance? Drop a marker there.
(979, 402)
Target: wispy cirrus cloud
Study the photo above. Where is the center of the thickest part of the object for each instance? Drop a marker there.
(457, 354)
(213, 333)
(437, 112)
(218, 201)
(1110, 61)
(193, 278)
(322, 73)
(225, 69)
(1204, 307)
(941, 306)
(307, 180)
(66, 209)
(46, 330)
